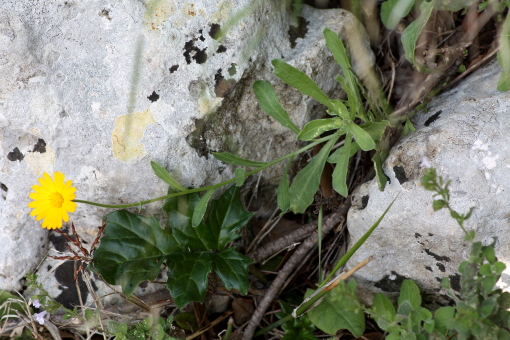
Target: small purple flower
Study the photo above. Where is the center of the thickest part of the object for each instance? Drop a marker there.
(425, 163)
(39, 317)
(36, 303)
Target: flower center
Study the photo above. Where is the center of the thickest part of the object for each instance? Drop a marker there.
(56, 199)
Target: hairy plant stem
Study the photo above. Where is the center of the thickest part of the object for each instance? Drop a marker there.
(212, 187)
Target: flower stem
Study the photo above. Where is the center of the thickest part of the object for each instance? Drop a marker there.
(212, 187)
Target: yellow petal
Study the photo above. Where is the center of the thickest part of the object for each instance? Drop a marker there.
(40, 189)
(69, 206)
(59, 181)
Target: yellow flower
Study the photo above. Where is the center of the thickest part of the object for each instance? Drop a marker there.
(53, 200)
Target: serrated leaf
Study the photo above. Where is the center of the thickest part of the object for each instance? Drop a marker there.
(379, 173)
(283, 190)
(307, 181)
(201, 208)
(298, 79)
(410, 292)
(163, 173)
(392, 11)
(317, 127)
(132, 249)
(187, 276)
(270, 103)
(232, 268)
(227, 216)
(363, 139)
(336, 312)
(413, 31)
(229, 158)
(342, 167)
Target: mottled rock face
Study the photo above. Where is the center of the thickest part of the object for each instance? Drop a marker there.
(464, 134)
(99, 89)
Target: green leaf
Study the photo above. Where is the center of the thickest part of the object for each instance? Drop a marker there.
(342, 167)
(352, 97)
(232, 268)
(283, 190)
(187, 321)
(229, 158)
(375, 129)
(317, 127)
(392, 11)
(335, 156)
(379, 173)
(364, 140)
(405, 308)
(201, 208)
(240, 177)
(301, 328)
(337, 311)
(162, 173)
(307, 181)
(300, 81)
(408, 127)
(227, 216)
(442, 317)
(413, 31)
(132, 250)
(383, 307)
(410, 292)
(504, 56)
(270, 103)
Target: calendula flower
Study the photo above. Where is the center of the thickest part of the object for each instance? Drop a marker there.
(53, 200)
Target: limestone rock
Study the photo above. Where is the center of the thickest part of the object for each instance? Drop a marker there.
(99, 89)
(463, 133)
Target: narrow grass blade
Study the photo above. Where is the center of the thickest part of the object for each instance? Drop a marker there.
(163, 173)
(229, 158)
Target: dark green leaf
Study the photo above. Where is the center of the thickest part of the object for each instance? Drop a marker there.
(300, 81)
(232, 268)
(413, 31)
(270, 103)
(408, 127)
(227, 216)
(187, 321)
(439, 204)
(342, 167)
(132, 250)
(410, 292)
(442, 317)
(307, 181)
(283, 190)
(392, 11)
(364, 140)
(162, 173)
(335, 156)
(229, 158)
(201, 208)
(301, 328)
(336, 312)
(375, 129)
(317, 127)
(352, 98)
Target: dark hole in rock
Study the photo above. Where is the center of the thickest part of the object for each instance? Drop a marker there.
(199, 55)
(429, 268)
(417, 235)
(400, 173)
(364, 201)
(153, 97)
(441, 267)
(221, 49)
(222, 86)
(215, 30)
(389, 285)
(40, 146)
(59, 241)
(299, 31)
(65, 276)
(4, 187)
(173, 68)
(15, 155)
(433, 118)
(455, 281)
(437, 257)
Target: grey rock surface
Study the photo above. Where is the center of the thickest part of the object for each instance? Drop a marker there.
(98, 89)
(464, 133)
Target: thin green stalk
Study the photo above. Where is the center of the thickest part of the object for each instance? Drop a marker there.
(319, 239)
(212, 187)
